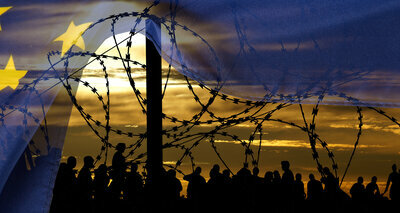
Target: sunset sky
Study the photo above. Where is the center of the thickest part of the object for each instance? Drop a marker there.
(378, 149)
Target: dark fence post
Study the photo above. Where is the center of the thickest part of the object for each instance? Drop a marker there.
(154, 106)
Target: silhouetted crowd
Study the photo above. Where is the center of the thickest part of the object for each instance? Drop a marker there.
(117, 189)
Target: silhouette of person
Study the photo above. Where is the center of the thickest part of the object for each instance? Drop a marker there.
(133, 189)
(287, 176)
(242, 180)
(241, 185)
(267, 189)
(256, 184)
(71, 179)
(100, 182)
(134, 184)
(287, 180)
(71, 164)
(85, 184)
(357, 191)
(173, 186)
(100, 186)
(60, 196)
(65, 187)
(71, 172)
(214, 172)
(215, 185)
(314, 189)
(215, 176)
(276, 177)
(196, 184)
(118, 171)
(244, 173)
(256, 179)
(394, 179)
(372, 189)
(226, 188)
(331, 184)
(298, 188)
(226, 177)
(268, 178)
(275, 194)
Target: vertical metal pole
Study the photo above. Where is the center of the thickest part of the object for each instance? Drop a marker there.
(154, 104)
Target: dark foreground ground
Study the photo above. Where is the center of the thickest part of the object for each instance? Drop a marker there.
(185, 206)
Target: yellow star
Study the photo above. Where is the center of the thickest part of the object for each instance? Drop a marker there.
(73, 36)
(3, 10)
(9, 77)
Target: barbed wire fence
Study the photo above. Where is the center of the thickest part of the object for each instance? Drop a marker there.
(179, 134)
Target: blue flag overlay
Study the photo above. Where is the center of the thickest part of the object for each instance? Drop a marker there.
(270, 50)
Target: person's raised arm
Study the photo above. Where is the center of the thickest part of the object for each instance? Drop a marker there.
(388, 183)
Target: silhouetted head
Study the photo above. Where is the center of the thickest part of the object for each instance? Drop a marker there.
(360, 180)
(256, 171)
(171, 173)
(394, 168)
(285, 165)
(134, 167)
(326, 170)
(226, 173)
(71, 162)
(277, 175)
(213, 174)
(311, 176)
(216, 168)
(197, 171)
(268, 177)
(88, 162)
(120, 147)
(298, 177)
(214, 171)
(244, 172)
(374, 179)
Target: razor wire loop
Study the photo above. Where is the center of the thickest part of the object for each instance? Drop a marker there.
(360, 117)
(247, 102)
